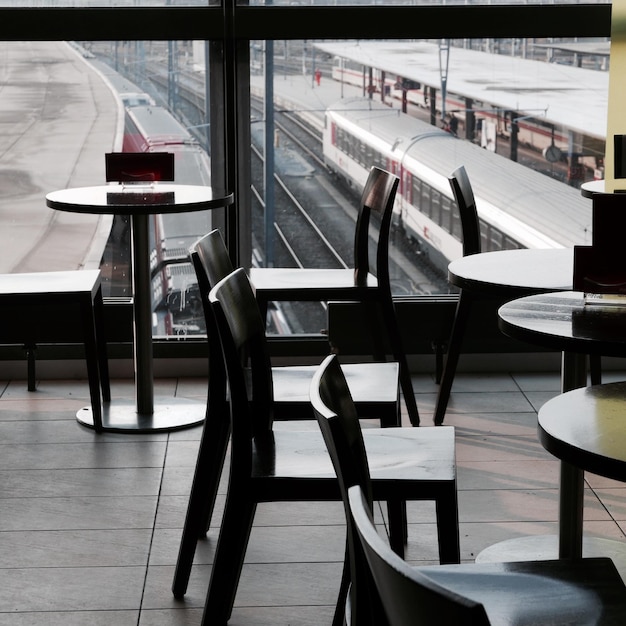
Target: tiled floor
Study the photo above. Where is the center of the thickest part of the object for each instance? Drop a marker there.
(90, 524)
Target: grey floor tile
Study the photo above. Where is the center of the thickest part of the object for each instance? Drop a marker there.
(158, 589)
(177, 480)
(70, 618)
(87, 512)
(312, 584)
(499, 448)
(479, 402)
(58, 483)
(71, 588)
(166, 542)
(538, 381)
(182, 453)
(74, 548)
(82, 455)
(171, 617)
(282, 616)
(292, 544)
(505, 474)
(476, 537)
(486, 424)
(172, 511)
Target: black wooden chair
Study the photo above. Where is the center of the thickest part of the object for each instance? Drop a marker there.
(470, 229)
(276, 465)
(374, 386)
(385, 590)
(345, 440)
(533, 593)
(357, 284)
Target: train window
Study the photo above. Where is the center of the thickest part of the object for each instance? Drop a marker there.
(484, 238)
(439, 214)
(455, 218)
(428, 207)
(510, 244)
(416, 193)
(496, 239)
(407, 187)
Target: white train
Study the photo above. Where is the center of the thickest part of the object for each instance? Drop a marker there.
(518, 207)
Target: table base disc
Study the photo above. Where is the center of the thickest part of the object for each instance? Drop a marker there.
(169, 414)
(545, 547)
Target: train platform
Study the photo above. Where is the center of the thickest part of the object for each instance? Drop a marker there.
(58, 117)
(303, 95)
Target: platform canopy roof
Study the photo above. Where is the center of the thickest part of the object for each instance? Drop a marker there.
(572, 97)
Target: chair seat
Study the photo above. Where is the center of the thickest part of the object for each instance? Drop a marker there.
(585, 591)
(379, 401)
(411, 455)
(275, 283)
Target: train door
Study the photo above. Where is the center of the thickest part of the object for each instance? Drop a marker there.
(406, 186)
(404, 197)
(394, 168)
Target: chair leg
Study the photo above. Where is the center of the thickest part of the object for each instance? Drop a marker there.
(393, 332)
(30, 366)
(396, 510)
(448, 526)
(438, 349)
(206, 479)
(103, 360)
(344, 588)
(92, 358)
(229, 556)
(454, 350)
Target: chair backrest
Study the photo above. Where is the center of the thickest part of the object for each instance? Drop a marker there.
(213, 253)
(201, 254)
(409, 596)
(377, 198)
(242, 335)
(470, 224)
(337, 417)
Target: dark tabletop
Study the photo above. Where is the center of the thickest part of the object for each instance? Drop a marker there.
(563, 322)
(137, 199)
(585, 427)
(514, 272)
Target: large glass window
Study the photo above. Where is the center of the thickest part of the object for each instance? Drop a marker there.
(511, 111)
